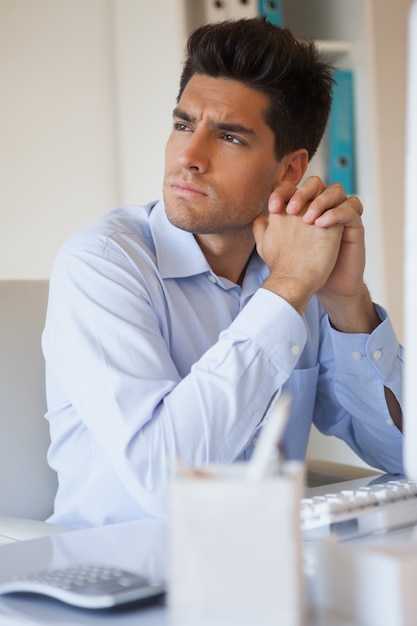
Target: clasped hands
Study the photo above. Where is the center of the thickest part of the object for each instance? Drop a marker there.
(313, 243)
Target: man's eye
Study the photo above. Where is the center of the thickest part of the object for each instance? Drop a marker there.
(232, 139)
(181, 126)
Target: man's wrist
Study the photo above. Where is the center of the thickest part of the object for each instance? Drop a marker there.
(295, 292)
(351, 314)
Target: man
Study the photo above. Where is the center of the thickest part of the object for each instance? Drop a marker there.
(172, 327)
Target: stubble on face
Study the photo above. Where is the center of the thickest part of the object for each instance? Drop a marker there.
(211, 213)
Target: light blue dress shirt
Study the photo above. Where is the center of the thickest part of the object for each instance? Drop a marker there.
(151, 357)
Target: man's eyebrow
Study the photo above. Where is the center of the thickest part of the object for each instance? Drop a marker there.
(233, 128)
(182, 115)
(226, 126)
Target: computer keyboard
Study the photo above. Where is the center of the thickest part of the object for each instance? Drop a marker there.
(354, 512)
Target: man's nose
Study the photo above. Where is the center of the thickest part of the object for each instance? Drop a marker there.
(195, 154)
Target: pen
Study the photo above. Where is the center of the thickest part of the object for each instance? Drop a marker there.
(271, 433)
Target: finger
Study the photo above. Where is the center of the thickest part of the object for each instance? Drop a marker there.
(348, 213)
(330, 197)
(356, 203)
(280, 196)
(312, 188)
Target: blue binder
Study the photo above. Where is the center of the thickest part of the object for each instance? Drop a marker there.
(272, 9)
(341, 168)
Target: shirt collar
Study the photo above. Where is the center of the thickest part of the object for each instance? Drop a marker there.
(179, 255)
(177, 252)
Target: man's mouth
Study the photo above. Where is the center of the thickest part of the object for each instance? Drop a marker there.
(186, 189)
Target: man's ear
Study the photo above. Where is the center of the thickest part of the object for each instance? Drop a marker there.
(295, 165)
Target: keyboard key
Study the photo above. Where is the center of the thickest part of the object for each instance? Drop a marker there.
(352, 513)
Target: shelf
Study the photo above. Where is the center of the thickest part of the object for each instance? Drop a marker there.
(334, 49)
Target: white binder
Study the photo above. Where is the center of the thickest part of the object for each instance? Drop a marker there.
(217, 10)
(242, 8)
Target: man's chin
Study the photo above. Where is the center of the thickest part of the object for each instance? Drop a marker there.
(178, 219)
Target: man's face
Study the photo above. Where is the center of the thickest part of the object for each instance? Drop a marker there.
(220, 163)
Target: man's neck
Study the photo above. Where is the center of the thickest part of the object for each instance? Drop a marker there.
(227, 256)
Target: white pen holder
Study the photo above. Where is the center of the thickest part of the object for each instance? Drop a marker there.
(235, 548)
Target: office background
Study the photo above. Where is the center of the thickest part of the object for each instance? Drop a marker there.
(87, 90)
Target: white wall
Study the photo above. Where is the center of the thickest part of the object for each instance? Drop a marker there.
(148, 46)
(389, 32)
(87, 90)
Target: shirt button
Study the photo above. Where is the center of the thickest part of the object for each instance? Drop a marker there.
(377, 355)
(389, 422)
(356, 356)
(295, 350)
(212, 278)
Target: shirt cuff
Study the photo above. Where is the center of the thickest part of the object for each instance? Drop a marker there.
(357, 353)
(275, 326)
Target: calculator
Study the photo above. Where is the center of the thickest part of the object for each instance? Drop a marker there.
(87, 586)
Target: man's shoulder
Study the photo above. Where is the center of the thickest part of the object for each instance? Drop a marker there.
(133, 219)
(125, 222)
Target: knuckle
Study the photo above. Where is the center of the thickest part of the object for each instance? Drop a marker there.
(356, 204)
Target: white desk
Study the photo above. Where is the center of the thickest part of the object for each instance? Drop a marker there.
(139, 546)
(25, 612)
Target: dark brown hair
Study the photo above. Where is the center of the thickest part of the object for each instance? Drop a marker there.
(270, 59)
